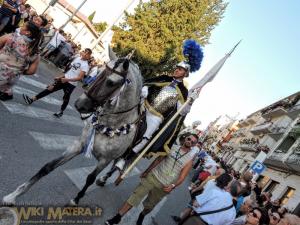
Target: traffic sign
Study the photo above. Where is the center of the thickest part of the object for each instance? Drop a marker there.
(257, 167)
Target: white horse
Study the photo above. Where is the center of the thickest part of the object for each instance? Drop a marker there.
(115, 97)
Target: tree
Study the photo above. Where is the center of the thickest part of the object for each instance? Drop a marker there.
(91, 17)
(157, 30)
(100, 27)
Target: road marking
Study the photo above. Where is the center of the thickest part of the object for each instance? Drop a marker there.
(132, 216)
(53, 141)
(49, 100)
(78, 176)
(32, 82)
(43, 114)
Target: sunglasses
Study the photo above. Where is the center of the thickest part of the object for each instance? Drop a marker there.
(191, 140)
(274, 217)
(255, 215)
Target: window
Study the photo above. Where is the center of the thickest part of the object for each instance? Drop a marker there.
(271, 186)
(286, 144)
(263, 180)
(297, 210)
(287, 195)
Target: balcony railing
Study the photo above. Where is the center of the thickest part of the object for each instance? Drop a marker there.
(295, 131)
(292, 163)
(250, 121)
(249, 147)
(249, 141)
(239, 133)
(262, 129)
(294, 111)
(279, 111)
(277, 132)
(242, 123)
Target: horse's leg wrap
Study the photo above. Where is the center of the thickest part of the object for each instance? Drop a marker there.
(90, 180)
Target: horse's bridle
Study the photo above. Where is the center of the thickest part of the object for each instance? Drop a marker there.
(122, 74)
(112, 70)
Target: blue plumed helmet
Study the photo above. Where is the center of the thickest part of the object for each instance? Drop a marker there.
(193, 53)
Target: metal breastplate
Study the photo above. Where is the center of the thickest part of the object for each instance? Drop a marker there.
(164, 99)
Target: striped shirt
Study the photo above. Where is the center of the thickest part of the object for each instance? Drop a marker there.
(168, 170)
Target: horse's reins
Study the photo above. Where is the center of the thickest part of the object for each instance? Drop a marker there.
(124, 75)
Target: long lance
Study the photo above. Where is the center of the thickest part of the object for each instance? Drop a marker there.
(209, 76)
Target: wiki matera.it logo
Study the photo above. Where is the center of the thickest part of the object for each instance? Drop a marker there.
(48, 215)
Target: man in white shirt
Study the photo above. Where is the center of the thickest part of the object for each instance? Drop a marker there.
(66, 82)
(214, 205)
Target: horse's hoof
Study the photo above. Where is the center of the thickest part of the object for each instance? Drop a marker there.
(118, 181)
(100, 183)
(8, 201)
(72, 202)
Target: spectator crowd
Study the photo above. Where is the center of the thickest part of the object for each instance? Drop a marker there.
(222, 196)
(27, 37)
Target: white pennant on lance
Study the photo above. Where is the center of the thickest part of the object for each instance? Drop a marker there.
(210, 75)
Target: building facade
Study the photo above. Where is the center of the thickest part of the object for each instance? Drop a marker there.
(79, 27)
(274, 130)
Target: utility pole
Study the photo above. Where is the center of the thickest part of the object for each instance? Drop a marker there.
(73, 14)
(109, 27)
(51, 3)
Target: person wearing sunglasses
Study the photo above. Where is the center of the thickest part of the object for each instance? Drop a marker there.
(257, 216)
(274, 218)
(161, 178)
(247, 206)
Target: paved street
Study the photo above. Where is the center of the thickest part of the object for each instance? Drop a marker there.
(30, 136)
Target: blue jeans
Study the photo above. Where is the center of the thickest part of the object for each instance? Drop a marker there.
(3, 21)
(89, 80)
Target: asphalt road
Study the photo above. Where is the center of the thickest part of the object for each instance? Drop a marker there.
(30, 137)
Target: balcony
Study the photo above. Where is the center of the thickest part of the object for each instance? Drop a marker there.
(227, 148)
(262, 129)
(248, 147)
(279, 111)
(291, 164)
(295, 131)
(242, 123)
(239, 133)
(250, 121)
(294, 111)
(277, 132)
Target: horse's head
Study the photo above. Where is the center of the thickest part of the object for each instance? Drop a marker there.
(114, 75)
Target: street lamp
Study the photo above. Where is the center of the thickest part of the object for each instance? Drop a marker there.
(73, 14)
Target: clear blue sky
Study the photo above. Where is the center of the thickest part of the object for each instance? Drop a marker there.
(262, 70)
(265, 66)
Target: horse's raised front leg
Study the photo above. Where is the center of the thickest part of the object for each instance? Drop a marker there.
(90, 180)
(75, 150)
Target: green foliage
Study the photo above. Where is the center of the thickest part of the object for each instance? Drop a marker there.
(157, 30)
(91, 17)
(100, 27)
